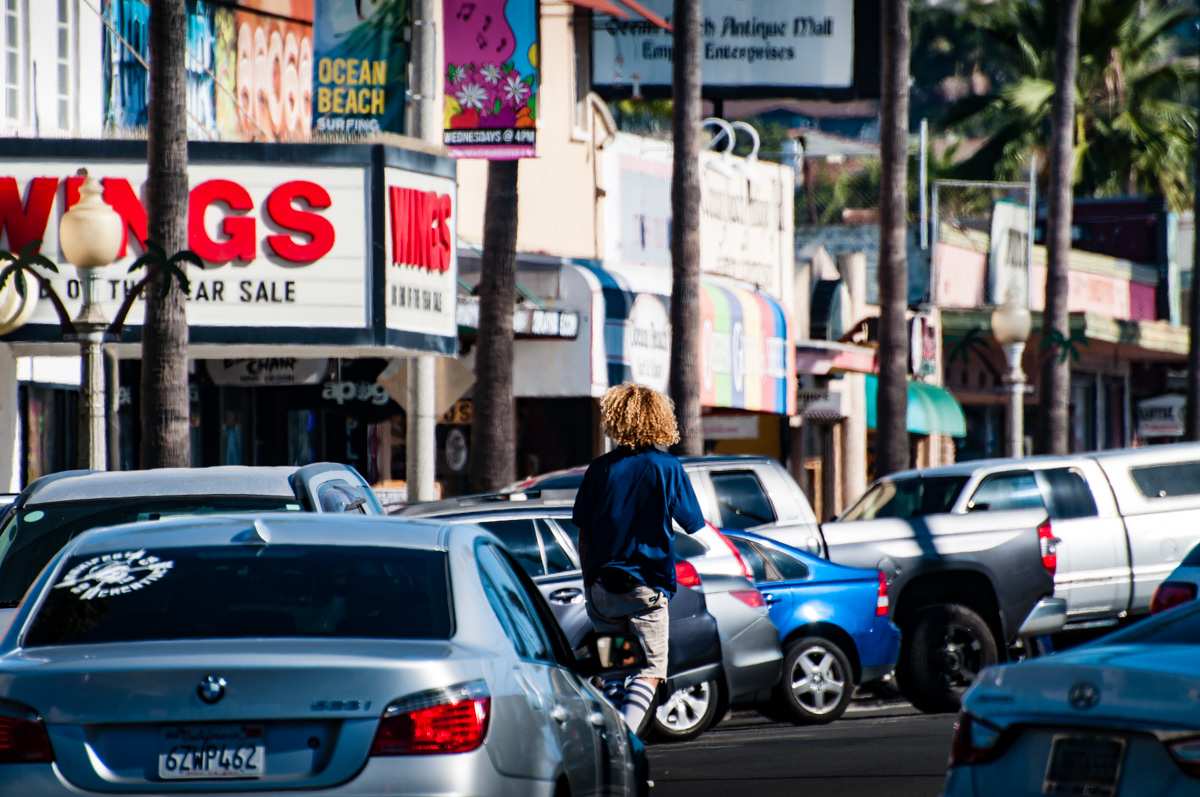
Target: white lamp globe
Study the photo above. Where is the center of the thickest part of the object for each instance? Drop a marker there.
(91, 232)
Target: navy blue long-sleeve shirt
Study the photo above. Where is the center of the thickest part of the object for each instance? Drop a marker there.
(624, 510)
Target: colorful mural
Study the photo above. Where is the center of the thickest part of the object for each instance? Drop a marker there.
(491, 102)
(250, 68)
(360, 67)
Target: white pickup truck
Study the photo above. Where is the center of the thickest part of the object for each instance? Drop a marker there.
(1115, 525)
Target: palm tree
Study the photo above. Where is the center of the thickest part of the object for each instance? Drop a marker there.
(1133, 128)
(493, 432)
(1056, 369)
(165, 406)
(685, 227)
(891, 431)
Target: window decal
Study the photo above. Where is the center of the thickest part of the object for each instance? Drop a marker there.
(114, 574)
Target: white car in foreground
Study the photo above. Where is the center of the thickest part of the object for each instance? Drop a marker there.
(1115, 718)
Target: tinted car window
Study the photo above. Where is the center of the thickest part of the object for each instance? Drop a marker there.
(1177, 627)
(512, 606)
(1069, 495)
(557, 558)
(743, 502)
(1167, 481)
(907, 498)
(752, 558)
(219, 592)
(1191, 560)
(520, 538)
(42, 531)
(1007, 491)
(789, 568)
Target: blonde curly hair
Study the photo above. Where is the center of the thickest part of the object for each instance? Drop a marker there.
(637, 417)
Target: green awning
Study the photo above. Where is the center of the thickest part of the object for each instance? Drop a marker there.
(931, 409)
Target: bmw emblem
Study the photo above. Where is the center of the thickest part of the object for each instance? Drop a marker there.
(1083, 696)
(211, 689)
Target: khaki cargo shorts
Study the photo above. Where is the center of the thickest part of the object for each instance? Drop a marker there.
(642, 611)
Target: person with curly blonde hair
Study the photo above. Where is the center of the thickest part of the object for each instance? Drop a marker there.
(625, 508)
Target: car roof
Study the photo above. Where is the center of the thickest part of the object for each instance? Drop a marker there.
(489, 503)
(972, 466)
(84, 485)
(533, 509)
(270, 528)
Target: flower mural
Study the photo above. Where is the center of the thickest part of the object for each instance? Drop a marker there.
(491, 78)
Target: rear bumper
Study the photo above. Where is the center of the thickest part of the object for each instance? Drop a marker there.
(1048, 616)
(466, 774)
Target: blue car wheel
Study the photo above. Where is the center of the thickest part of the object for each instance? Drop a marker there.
(817, 681)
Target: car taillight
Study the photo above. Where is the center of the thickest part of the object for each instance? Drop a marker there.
(974, 742)
(881, 596)
(1170, 594)
(1187, 755)
(23, 739)
(737, 557)
(1049, 546)
(686, 574)
(450, 720)
(751, 597)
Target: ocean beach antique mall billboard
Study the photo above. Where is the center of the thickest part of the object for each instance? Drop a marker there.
(302, 244)
(750, 48)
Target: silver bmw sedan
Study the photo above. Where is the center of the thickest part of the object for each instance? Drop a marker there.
(262, 655)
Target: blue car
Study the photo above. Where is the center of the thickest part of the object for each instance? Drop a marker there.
(833, 623)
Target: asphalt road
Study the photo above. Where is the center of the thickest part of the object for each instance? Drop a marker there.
(884, 750)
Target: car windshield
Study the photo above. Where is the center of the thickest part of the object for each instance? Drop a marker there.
(907, 498)
(239, 592)
(31, 537)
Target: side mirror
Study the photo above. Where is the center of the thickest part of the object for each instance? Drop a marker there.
(609, 654)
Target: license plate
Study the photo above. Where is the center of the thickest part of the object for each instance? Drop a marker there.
(1084, 765)
(210, 752)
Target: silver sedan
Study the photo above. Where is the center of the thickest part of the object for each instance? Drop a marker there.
(335, 655)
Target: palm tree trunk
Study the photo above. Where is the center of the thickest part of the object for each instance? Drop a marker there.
(493, 428)
(685, 228)
(1193, 405)
(165, 407)
(891, 432)
(1056, 368)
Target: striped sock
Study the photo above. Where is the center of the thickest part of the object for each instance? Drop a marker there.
(639, 696)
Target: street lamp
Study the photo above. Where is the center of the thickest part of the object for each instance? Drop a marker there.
(1011, 325)
(90, 236)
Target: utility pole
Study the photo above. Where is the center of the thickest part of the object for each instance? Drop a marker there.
(421, 422)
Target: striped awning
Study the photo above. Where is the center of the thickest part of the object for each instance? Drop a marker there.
(746, 358)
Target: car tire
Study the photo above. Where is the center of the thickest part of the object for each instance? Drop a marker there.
(817, 682)
(686, 713)
(944, 648)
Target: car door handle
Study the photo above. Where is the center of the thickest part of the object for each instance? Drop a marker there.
(597, 719)
(770, 598)
(567, 596)
(559, 715)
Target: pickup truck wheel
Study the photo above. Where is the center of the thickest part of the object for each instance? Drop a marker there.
(945, 648)
(817, 682)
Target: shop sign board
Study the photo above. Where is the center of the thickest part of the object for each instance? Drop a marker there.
(1162, 416)
(421, 252)
(647, 342)
(730, 427)
(492, 97)
(749, 47)
(302, 244)
(359, 67)
(267, 371)
(528, 322)
(746, 230)
(1008, 256)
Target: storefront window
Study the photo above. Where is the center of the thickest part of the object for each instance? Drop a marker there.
(301, 437)
(237, 413)
(49, 432)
